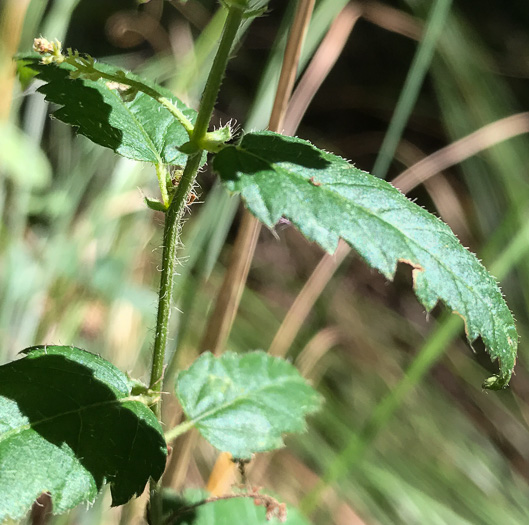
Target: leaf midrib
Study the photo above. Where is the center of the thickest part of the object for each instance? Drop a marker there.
(235, 400)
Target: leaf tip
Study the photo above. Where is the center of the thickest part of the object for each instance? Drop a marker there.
(496, 382)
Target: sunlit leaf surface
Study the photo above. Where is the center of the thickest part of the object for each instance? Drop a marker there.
(327, 198)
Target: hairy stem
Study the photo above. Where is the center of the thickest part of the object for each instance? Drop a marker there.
(173, 221)
(177, 207)
(170, 244)
(216, 74)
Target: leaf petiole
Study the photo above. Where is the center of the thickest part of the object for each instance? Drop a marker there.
(180, 429)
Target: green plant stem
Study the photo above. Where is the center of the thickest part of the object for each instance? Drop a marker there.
(209, 97)
(170, 244)
(171, 237)
(161, 174)
(172, 228)
(177, 206)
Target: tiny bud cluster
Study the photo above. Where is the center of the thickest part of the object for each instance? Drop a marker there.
(51, 51)
(84, 65)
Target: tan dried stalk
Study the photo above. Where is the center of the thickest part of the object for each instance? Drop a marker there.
(228, 298)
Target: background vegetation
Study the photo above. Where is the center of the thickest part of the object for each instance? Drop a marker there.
(79, 250)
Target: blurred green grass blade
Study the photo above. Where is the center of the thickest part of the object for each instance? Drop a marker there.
(464, 474)
(57, 20)
(191, 74)
(15, 145)
(412, 86)
(447, 330)
(436, 343)
(477, 98)
(496, 178)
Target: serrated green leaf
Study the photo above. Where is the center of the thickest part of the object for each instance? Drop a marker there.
(67, 426)
(237, 510)
(138, 128)
(243, 404)
(326, 198)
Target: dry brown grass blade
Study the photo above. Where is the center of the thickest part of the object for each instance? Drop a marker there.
(176, 474)
(323, 61)
(315, 349)
(449, 206)
(392, 19)
(345, 515)
(222, 476)
(305, 300)
(11, 19)
(440, 191)
(228, 299)
(193, 11)
(484, 138)
(289, 68)
(320, 66)
(229, 296)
